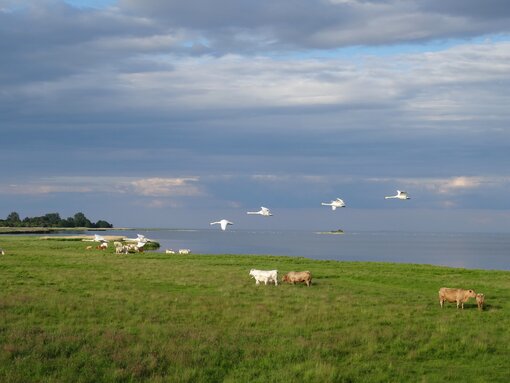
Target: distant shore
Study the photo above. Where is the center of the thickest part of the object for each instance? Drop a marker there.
(48, 230)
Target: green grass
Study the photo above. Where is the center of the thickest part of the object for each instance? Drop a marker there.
(72, 315)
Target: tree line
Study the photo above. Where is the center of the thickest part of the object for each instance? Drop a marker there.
(52, 220)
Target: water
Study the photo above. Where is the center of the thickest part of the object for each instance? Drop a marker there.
(466, 250)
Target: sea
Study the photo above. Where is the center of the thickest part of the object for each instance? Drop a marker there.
(490, 251)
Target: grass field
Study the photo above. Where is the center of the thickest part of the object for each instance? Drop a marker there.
(72, 315)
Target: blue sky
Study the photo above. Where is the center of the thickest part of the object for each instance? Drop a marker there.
(175, 114)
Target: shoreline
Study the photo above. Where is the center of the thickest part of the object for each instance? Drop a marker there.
(47, 230)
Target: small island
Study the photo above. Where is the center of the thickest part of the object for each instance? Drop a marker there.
(338, 231)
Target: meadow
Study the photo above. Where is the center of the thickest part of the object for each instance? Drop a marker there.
(73, 315)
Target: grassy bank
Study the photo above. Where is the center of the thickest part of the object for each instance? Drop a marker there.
(72, 315)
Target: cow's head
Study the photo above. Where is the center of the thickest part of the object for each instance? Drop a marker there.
(471, 294)
(285, 278)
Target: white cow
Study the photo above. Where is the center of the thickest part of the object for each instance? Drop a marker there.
(184, 251)
(121, 249)
(264, 276)
(169, 251)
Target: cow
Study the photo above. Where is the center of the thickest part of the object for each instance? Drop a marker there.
(298, 276)
(169, 251)
(2, 251)
(264, 276)
(132, 248)
(184, 251)
(459, 296)
(480, 298)
(122, 249)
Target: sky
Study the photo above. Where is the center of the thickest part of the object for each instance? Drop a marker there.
(175, 114)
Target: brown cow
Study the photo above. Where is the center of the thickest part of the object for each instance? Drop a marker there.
(298, 276)
(480, 298)
(455, 295)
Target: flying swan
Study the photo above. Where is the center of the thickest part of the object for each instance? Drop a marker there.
(399, 195)
(334, 204)
(264, 211)
(223, 223)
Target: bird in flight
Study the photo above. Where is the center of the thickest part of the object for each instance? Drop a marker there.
(223, 224)
(264, 211)
(400, 195)
(334, 204)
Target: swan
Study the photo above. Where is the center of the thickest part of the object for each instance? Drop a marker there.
(99, 238)
(139, 238)
(399, 195)
(264, 211)
(334, 204)
(223, 223)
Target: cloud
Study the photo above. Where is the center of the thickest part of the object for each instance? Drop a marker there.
(166, 187)
(54, 185)
(288, 24)
(281, 102)
(458, 184)
(147, 187)
(450, 185)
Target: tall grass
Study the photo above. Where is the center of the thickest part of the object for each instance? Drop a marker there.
(73, 315)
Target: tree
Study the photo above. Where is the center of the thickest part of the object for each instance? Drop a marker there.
(69, 222)
(81, 221)
(103, 224)
(13, 219)
(52, 219)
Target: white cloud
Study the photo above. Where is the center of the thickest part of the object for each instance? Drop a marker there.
(459, 183)
(166, 187)
(449, 185)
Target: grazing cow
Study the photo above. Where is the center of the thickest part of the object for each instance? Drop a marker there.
(117, 244)
(122, 249)
(480, 299)
(102, 246)
(2, 251)
(264, 276)
(184, 251)
(132, 248)
(169, 251)
(459, 296)
(298, 276)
